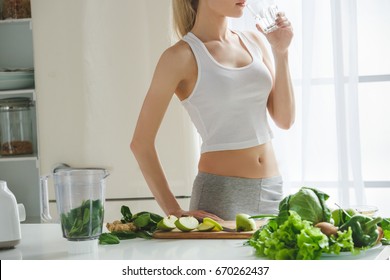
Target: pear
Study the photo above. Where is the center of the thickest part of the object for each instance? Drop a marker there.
(245, 223)
(186, 223)
(167, 223)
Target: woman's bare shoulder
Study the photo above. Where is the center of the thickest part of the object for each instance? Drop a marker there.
(178, 54)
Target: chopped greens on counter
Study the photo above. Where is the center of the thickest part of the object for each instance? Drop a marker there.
(108, 239)
(141, 225)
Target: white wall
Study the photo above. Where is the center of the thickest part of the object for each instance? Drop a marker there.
(94, 60)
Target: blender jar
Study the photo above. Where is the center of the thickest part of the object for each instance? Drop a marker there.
(16, 126)
(80, 195)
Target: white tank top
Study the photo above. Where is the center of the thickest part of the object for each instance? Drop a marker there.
(228, 105)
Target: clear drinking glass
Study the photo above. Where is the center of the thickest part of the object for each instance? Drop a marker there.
(265, 12)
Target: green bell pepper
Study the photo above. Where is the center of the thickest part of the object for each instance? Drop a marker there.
(364, 230)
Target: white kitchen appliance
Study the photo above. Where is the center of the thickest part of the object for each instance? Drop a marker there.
(11, 214)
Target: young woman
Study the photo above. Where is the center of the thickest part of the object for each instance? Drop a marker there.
(226, 82)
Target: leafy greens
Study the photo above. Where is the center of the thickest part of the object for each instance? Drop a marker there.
(309, 203)
(84, 221)
(297, 239)
(385, 225)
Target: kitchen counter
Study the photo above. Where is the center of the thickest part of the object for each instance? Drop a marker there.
(45, 242)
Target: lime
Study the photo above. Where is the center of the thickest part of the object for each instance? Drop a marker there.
(167, 223)
(217, 226)
(205, 227)
(186, 223)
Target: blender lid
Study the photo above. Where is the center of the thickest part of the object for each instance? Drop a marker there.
(64, 169)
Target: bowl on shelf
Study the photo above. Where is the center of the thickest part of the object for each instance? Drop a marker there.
(16, 79)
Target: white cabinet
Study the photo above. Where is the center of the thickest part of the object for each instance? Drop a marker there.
(21, 172)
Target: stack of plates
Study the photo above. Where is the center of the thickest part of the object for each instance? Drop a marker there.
(11, 79)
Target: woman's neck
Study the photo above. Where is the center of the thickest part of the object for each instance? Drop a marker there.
(210, 27)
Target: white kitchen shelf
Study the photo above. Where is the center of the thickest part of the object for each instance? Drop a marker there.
(5, 21)
(18, 92)
(32, 157)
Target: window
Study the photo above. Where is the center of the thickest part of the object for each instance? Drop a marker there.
(340, 65)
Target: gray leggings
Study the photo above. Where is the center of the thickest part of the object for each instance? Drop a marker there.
(227, 196)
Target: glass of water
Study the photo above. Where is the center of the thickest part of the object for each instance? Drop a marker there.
(265, 12)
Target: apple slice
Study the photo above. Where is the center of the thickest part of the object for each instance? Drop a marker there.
(217, 226)
(205, 227)
(244, 223)
(186, 223)
(167, 224)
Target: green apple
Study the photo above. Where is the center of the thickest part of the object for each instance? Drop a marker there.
(338, 217)
(186, 223)
(245, 223)
(167, 223)
(205, 227)
(351, 211)
(217, 226)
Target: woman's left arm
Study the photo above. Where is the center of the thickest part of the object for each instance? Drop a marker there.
(281, 103)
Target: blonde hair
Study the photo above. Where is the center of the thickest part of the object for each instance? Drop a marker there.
(184, 15)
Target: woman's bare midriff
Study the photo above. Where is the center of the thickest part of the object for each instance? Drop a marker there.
(254, 162)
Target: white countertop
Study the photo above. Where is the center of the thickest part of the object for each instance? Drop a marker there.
(45, 242)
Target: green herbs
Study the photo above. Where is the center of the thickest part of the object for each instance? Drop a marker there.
(145, 223)
(83, 222)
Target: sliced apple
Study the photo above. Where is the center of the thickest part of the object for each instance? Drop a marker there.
(205, 227)
(245, 223)
(168, 223)
(217, 226)
(186, 223)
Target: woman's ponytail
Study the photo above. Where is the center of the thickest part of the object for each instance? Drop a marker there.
(184, 15)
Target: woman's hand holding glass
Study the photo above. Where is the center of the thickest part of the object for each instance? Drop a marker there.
(280, 38)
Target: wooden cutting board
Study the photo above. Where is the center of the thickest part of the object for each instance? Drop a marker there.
(177, 234)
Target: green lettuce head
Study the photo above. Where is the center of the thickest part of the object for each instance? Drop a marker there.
(308, 203)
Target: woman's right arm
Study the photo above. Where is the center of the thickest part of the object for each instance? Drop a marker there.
(161, 90)
(169, 74)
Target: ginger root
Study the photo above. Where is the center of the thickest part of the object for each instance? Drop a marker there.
(119, 226)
